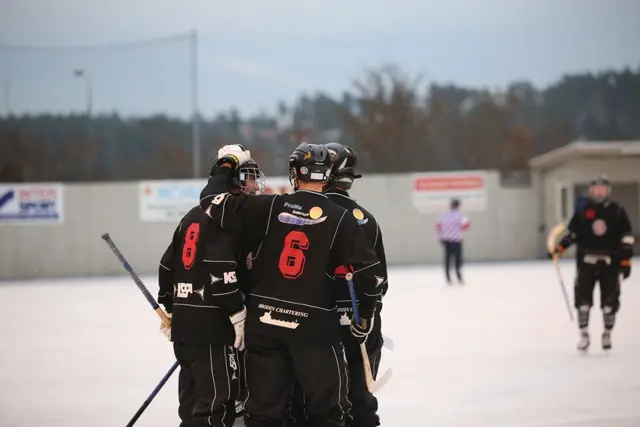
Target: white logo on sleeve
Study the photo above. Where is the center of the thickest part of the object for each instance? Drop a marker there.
(230, 277)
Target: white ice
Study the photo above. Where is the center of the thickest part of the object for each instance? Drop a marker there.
(497, 352)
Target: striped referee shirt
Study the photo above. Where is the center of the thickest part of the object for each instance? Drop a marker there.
(452, 225)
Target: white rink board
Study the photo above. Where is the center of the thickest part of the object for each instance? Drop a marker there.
(497, 353)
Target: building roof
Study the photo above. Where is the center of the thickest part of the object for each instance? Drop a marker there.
(585, 149)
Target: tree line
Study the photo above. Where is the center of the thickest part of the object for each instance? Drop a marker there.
(395, 121)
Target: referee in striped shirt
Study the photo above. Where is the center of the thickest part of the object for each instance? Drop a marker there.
(450, 229)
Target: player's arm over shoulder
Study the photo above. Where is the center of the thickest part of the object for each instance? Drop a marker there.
(235, 213)
(354, 248)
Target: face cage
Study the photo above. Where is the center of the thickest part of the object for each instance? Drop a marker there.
(252, 180)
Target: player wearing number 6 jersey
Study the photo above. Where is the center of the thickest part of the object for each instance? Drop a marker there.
(291, 332)
(199, 287)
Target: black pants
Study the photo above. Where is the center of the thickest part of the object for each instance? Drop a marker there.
(242, 395)
(452, 250)
(364, 405)
(208, 384)
(273, 366)
(608, 278)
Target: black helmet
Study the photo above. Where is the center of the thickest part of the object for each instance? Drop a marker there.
(599, 197)
(344, 159)
(309, 163)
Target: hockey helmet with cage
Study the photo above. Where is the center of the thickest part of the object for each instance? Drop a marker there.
(249, 178)
(309, 163)
(600, 189)
(344, 160)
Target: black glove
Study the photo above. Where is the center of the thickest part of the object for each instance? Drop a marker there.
(557, 252)
(361, 331)
(625, 268)
(563, 245)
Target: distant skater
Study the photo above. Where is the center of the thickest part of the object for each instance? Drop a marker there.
(450, 228)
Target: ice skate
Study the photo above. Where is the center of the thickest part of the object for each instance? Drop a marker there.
(606, 340)
(584, 342)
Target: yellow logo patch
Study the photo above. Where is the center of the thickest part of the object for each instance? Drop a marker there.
(315, 212)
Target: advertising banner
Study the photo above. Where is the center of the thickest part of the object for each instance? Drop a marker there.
(432, 192)
(31, 204)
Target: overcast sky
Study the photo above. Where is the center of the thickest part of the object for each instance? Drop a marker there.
(253, 53)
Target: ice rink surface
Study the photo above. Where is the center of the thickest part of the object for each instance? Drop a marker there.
(497, 352)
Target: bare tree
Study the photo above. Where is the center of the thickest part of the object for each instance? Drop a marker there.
(388, 121)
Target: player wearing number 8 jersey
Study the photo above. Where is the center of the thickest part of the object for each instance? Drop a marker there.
(199, 287)
(292, 332)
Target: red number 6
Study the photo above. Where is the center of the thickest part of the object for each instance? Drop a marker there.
(292, 259)
(189, 247)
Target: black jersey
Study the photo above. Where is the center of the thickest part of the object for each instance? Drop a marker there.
(302, 237)
(372, 229)
(599, 230)
(198, 281)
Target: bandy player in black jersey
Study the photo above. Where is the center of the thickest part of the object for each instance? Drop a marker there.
(199, 278)
(364, 405)
(603, 236)
(292, 333)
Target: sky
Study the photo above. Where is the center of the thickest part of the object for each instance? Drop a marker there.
(253, 53)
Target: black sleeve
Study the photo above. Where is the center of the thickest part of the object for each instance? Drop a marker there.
(382, 257)
(218, 183)
(626, 233)
(573, 235)
(354, 248)
(225, 286)
(165, 273)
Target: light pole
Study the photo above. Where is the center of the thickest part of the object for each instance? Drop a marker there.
(91, 158)
(82, 74)
(195, 114)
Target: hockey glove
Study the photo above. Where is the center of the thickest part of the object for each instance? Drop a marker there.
(557, 252)
(563, 245)
(361, 331)
(237, 320)
(235, 154)
(625, 268)
(166, 330)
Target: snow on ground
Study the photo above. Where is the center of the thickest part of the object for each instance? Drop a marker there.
(496, 352)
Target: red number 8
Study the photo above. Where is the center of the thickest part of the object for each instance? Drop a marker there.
(292, 259)
(189, 247)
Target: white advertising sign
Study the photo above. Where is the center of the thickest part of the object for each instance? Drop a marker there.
(432, 192)
(31, 204)
(169, 201)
